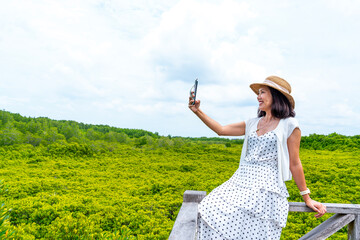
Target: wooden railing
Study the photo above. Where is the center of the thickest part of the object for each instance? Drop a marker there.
(345, 214)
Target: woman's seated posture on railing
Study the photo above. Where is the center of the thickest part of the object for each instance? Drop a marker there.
(252, 204)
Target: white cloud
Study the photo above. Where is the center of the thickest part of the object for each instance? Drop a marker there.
(346, 7)
(188, 37)
(132, 63)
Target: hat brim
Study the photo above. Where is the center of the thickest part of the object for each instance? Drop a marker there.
(256, 86)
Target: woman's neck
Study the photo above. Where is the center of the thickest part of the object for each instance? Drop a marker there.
(268, 117)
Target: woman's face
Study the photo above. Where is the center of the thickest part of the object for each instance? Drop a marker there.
(265, 99)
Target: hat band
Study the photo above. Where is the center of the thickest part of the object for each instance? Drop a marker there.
(275, 85)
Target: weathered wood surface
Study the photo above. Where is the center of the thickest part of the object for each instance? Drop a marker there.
(329, 227)
(186, 221)
(354, 229)
(193, 196)
(185, 224)
(330, 208)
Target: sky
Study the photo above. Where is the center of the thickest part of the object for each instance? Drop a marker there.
(131, 64)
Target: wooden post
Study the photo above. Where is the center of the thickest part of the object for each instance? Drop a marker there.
(186, 222)
(193, 196)
(354, 228)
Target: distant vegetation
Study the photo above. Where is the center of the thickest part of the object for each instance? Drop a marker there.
(69, 180)
(16, 129)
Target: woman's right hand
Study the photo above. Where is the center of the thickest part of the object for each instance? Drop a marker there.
(196, 106)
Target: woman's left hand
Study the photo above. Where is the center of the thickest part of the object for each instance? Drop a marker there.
(317, 207)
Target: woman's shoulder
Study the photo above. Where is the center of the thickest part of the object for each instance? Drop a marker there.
(290, 124)
(291, 121)
(251, 121)
(251, 124)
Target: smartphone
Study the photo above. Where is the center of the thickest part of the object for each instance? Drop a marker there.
(194, 89)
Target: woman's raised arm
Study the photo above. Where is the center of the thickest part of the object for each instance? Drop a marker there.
(234, 129)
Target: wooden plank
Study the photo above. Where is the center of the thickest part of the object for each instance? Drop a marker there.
(185, 223)
(354, 229)
(193, 196)
(329, 227)
(330, 207)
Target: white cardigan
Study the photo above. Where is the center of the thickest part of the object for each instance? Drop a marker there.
(282, 131)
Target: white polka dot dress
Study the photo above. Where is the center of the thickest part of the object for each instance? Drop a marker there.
(251, 204)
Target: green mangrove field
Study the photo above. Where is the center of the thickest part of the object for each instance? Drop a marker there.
(68, 180)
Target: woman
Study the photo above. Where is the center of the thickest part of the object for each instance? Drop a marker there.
(252, 204)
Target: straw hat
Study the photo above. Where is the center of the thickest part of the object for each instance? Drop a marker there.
(278, 84)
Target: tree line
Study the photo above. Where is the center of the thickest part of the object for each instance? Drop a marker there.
(17, 129)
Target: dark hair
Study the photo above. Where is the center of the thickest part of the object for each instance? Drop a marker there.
(281, 107)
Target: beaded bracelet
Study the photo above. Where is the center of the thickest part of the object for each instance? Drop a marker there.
(307, 191)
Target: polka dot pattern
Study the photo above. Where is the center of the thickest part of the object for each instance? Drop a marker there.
(251, 204)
